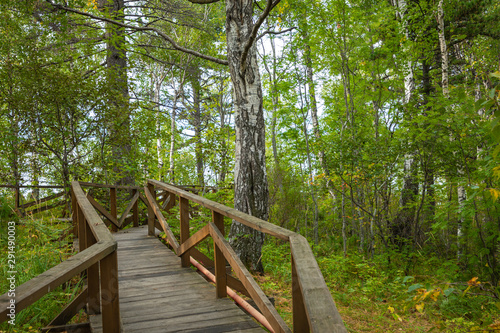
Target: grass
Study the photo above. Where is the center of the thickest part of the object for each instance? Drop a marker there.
(38, 248)
(373, 296)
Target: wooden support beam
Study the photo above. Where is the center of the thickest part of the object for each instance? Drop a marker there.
(94, 305)
(220, 261)
(71, 328)
(37, 202)
(300, 322)
(135, 209)
(194, 240)
(102, 210)
(131, 204)
(71, 309)
(184, 223)
(74, 205)
(151, 195)
(155, 210)
(246, 278)
(110, 305)
(112, 208)
(321, 311)
(32, 290)
(82, 240)
(44, 208)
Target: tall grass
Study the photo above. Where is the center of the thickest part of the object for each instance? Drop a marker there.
(39, 247)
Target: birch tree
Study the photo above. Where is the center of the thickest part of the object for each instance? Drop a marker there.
(251, 188)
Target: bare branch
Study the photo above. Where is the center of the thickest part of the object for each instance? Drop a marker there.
(203, 2)
(157, 31)
(269, 32)
(269, 6)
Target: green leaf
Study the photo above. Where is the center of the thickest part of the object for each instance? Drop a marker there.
(414, 287)
(448, 291)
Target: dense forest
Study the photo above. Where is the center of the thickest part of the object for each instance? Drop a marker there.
(368, 126)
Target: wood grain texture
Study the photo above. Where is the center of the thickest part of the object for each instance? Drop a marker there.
(158, 295)
(320, 307)
(232, 213)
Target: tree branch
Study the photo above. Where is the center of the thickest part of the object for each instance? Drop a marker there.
(203, 2)
(274, 32)
(157, 31)
(269, 6)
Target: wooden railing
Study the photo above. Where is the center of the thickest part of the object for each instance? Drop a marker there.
(37, 205)
(313, 307)
(97, 257)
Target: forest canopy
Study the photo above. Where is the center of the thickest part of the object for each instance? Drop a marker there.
(369, 126)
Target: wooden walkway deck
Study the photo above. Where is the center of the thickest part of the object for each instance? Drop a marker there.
(158, 295)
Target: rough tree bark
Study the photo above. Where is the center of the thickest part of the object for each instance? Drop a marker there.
(401, 226)
(250, 178)
(120, 139)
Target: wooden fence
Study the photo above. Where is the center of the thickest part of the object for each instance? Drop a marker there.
(97, 257)
(313, 307)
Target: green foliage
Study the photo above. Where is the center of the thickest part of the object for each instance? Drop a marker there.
(38, 249)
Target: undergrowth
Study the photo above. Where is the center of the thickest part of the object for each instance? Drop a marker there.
(39, 247)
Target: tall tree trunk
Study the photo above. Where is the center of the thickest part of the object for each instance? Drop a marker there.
(156, 85)
(402, 224)
(197, 123)
(119, 118)
(173, 130)
(251, 190)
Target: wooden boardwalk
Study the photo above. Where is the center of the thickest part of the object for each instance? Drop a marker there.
(158, 295)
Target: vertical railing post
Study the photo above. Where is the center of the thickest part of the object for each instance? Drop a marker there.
(151, 213)
(184, 223)
(109, 294)
(171, 202)
(94, 299)
(16, 192)
(82, 239)
(135, 210)
(112, 206)
(300, 322)
(220, 261)
(74, 215)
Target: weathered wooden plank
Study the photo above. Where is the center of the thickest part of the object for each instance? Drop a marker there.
(128, 209)
(94, 302)
(184, 225)
(246, 278)
(102, 210)
(135, 209)
(71, 328)
(166, 228)
(122, 187)
(195, 239)
(70, 310)
(203, 259)
(300, 322)
(113, 208)
(321, 311)
(37, 202)
(44, 208)
(232, 213)
(110, 305)
(220, 261)
(34, 289)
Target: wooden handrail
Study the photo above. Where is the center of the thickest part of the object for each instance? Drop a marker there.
(313, 307)
(97, 249)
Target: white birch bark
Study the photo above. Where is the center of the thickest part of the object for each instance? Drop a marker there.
(250, 179)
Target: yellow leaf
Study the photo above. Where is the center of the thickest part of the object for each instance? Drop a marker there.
(494, 193)
(420, 307)
(391, 309)
(473, 282)
(435, 295)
